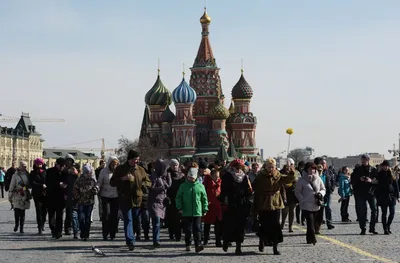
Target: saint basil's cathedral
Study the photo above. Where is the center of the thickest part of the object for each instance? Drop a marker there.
(202, 126)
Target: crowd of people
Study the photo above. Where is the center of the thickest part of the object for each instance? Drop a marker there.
(236, 198)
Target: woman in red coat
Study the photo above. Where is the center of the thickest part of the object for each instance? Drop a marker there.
(212, 183)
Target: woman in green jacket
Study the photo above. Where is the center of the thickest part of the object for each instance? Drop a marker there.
(192, 204)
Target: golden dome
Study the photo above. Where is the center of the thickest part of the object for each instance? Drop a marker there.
(205, 19)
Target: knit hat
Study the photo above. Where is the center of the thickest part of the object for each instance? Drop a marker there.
(247, 163)
(193, 173)
(290, 161)
(87, 169)
(60, 161)
(38, 161)
(132, 154)
(385, 163)
(174, 162)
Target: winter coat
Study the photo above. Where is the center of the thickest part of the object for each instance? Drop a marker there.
(305, 192)
(177, 178)
(103, 182)
(70, 179)
(37, 179)
(19, 190)
(330, 181)
(387, 190)
(160, 182)
(84, 190)
(267, 187)
(213, 190)
(236, 196)
(344, 189)
(363, 188)
(130, 193)
(54, 192)
(192, 199)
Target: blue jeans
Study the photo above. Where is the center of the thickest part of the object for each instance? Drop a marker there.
(328, 210)
(156, 223)
(143, 222)
(75, 221)
(129, 214)
(85, 212)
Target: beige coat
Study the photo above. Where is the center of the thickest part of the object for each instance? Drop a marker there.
(18, 193)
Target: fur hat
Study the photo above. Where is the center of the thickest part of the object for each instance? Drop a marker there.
(270, 161)
(38, 161)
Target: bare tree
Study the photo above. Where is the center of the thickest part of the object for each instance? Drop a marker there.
(144, 146)
(299, 154)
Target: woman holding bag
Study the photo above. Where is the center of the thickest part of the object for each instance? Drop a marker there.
(20, 195)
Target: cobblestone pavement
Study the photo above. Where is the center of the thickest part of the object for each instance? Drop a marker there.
(343, 244)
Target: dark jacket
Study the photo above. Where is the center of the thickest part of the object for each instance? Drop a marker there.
(359, 187)
(69, 180)
(330, 182)
(8, 176)
(97, 172)
(37, 179)
(54, 192)
(130, 193)
(387, 190)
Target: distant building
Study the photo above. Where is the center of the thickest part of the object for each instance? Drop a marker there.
(351, 161)
(22, 143)
(51, 155)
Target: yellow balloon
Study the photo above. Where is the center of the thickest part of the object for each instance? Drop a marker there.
(289, 131)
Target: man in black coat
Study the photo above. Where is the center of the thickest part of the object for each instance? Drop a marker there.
(364, 181)
(55, 197)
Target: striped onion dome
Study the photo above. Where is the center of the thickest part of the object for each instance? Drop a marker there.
(219, 112)
(158, 94)
(184, 93)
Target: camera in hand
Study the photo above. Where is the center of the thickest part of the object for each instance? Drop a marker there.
(319, 199)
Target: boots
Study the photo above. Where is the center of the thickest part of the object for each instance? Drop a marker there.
(238, 250)
(261, 245)
(22, 221)
(17, 218)
(275, 248)
(207, 228)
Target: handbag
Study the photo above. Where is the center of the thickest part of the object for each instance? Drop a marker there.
(27, 192)
(318, 201)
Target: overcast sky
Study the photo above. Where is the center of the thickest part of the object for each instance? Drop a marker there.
(328, 69)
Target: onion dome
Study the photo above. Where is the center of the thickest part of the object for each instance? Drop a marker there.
(242, 89)
(219, 112)
(167, 115)
(205, 19)
(158, 94)
(184, 93)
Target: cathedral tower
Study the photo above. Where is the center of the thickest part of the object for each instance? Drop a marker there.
(242, 123)
(184, 125)
(206, 81)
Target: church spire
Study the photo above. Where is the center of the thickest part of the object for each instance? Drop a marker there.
(205, 56)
